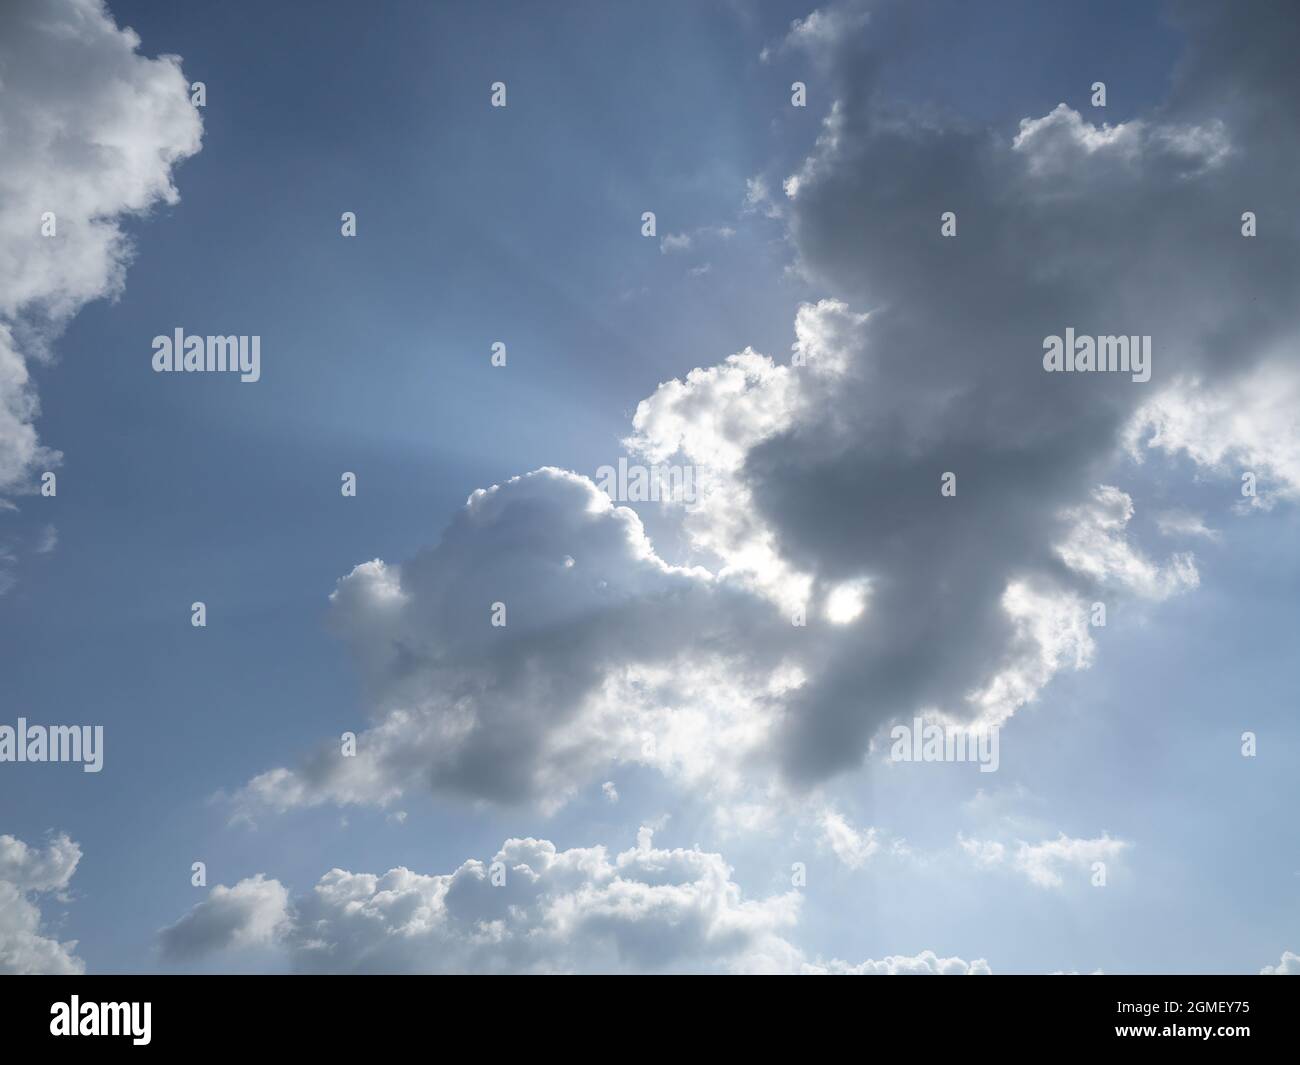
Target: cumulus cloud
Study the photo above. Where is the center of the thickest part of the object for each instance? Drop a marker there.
(830, 588)
(90, 131)
(1063, 145)
(533, 908)
(938, 368)
(784, 509)
(252, 913)
(26, 873)
(617, 657)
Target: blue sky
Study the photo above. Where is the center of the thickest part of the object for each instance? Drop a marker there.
(522, 225)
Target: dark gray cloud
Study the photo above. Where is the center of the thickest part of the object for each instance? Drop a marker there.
(1128, 229)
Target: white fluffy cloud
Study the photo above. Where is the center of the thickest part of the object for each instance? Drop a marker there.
(1063, 146)
(25, 873)
(533, 908)
(90, 131)
(1248, 425)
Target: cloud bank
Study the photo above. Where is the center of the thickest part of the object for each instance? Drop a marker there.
(531, 909)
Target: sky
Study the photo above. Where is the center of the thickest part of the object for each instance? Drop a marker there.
(677, 753)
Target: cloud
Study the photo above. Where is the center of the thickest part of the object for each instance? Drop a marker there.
(36, 870)
(673, 243)
(1062, 146)
(829, 586)
(1185, 525)
(91, 133)
(1096, 547)
(852, 847)
(533, 908)
(26, 872)
(1288, 966)
(819, 33)
(924, 964)
(249, 914)
(986, 853)
(795, 453)
(699, 670)
(758, 198)
(616, 658)
(1044, 864)
(1229, 428)
(48, 540)
(930, 361)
